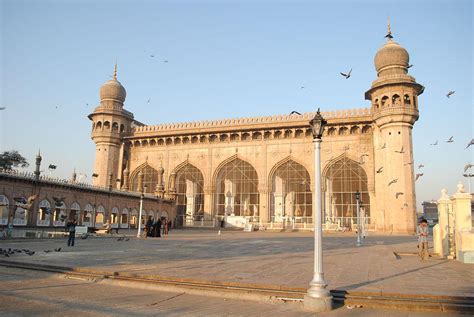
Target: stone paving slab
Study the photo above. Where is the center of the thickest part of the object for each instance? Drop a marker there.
(273, 259)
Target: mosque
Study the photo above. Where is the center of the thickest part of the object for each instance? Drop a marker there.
(260, 169)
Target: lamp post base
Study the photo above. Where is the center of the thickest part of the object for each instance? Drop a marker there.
(317, 304)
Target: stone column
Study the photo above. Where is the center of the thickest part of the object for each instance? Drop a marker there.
(462, 210)
(444, 206)
(264, 209)
(140, 181)
(208, 202)
(126, 176)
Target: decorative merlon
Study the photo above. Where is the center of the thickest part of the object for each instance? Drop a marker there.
(338, 114)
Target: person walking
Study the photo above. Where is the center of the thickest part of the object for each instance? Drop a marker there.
(71, 228)
(165, 227)
(423, 233)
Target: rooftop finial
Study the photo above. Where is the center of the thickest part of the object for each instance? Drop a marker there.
(115, 71)
(389, 31)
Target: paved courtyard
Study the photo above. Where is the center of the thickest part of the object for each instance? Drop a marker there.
(33, 293)
(263, 258)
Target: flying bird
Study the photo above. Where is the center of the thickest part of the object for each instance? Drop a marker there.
(398, 194)
(347, 75)
(393, 181)
(295, 112)
(436, 143)
(451, 140)
(148, 100)
(409, 163)
(362, 158)
(152, 56)
(418, 176)
(302, 87)
(450, 93)
(52, 166)
(467, 166)
(380, 170)
(410, 66)
(3, 108)
(58, 201)
(46, 210)
(401, 151)
(165, 61)
(384, 146)
(470, 143)
(420, 166)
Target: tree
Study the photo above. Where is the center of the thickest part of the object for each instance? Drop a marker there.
(10, 159)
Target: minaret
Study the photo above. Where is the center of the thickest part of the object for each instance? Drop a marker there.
(394, 99)
(38, 165)
(110, 124)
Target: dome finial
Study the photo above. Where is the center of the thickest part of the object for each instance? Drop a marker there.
(389, 31)
(115, 71)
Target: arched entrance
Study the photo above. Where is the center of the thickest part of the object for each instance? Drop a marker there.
(342, 179)
(290, 200)
(190, 192)
(150, 178)
(237, 190)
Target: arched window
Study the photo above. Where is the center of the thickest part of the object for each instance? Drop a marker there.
(59, 215)
(355, 130)
(75, 211)
(122, 128)
(134, 219)
(237, 189)
(99, 216)
(384, 101)
(342, 180)
(396, 100)
(190, 192)
(115, 127)
(124, 218)
(406, 100)
(98, 126)
(114, 217)
(88, 216)
(106, 125)
(150, 178)
(4, 209)
(44, 213)
(291, 193)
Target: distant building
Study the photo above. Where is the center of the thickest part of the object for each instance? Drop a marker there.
(430, 210)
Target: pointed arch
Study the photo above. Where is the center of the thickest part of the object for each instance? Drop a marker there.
(236, 188)
(189, 184)
(290, 191)
(150, 177)
(4, 209)
(342, 178)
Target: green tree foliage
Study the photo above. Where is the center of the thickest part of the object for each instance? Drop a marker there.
(11, 159)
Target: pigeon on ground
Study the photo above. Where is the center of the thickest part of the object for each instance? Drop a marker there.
(47, 251)
(127, 239)
(57, 249)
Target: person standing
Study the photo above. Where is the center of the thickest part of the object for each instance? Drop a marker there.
(165, 227)
(71, 228)
(423, 233)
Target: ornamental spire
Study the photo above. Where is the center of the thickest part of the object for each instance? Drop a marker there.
(389, 31)
(115, 71)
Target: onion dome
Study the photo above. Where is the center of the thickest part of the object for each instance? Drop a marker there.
(113, 89)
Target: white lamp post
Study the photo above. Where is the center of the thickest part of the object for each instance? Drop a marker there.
(357, 196)
(141, 212)
(318, 297)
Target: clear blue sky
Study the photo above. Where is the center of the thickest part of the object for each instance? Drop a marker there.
(227, 59)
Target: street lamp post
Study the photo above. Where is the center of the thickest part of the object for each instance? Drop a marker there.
(318, 297)
(357, 195)
(141, 212)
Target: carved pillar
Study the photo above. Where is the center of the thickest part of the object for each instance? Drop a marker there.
(208, 191)
(126, 176)
(172, 186)
(160, 187)
(264, 210)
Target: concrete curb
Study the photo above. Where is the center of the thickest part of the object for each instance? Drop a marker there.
(262, 292)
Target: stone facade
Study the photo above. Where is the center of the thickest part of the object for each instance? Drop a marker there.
(261, 168)
(91, 205)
